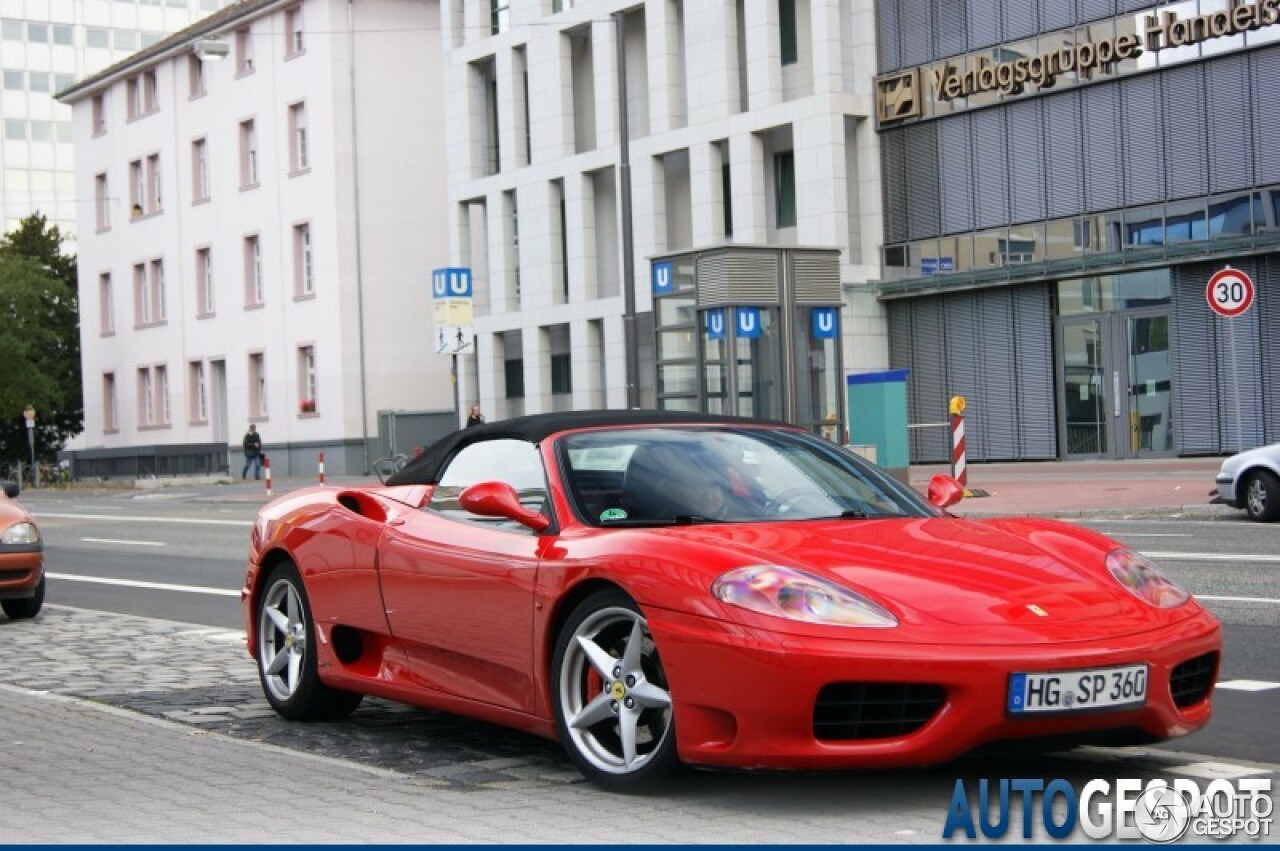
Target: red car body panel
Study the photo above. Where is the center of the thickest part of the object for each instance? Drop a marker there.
(464, 618)
(21, 568)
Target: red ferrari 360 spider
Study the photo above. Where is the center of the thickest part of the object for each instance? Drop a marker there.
(654, 588)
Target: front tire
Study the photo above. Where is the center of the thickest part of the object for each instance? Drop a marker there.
(612, 701)
(26, 608)
(1262, 496)
(287, 655)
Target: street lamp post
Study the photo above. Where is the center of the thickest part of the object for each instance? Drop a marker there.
(30, 414)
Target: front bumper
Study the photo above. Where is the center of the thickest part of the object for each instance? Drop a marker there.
(746, 698)
(21, 569)
(1225, 494)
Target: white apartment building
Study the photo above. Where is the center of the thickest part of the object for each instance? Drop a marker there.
(261, 236)
(45, 45)
(750, 124)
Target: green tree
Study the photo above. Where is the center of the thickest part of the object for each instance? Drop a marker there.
(39, 340)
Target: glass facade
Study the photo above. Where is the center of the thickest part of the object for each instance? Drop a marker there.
(731, 337)
(1118, 188)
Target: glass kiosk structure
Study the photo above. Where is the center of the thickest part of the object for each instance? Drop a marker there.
(751, 331)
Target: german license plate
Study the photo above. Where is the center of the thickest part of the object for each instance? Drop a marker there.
(1078, 691)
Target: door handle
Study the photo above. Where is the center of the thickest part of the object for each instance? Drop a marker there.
(1115, 390)
(396, 521)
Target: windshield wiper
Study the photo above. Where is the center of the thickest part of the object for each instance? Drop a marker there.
(853, 514)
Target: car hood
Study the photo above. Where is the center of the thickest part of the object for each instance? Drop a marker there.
(962, 572)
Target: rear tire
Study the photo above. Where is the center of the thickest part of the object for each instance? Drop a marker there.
(26, 608)
(287, 653)
(1262, 496)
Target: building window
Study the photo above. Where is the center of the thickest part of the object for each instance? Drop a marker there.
(303, 270)
(784, 185)
(499, 16)
(133, 98)
(513, 372)
(155, 200)
(137, 189)
(253, 292)
(110, 406)
(158, 309)
(726, 195)
(99, 115)
(257, 386)
(141, 92)
(195, 75)
(248, 155)
(146, 398)
(102, 202)
(293, 32)
(198, 392)
(106, 305)
(204, 282)
(244, 51)
(561, 373)
(306, 379)
(787, 31)
(199, 170)
(298, 155)
(141, 296)
(162, 395)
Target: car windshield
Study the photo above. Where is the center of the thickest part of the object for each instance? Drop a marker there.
(658, 476)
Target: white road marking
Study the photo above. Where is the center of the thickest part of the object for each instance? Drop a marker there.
(151, 586)
(1273, 600)
(115, 518)
(1215, 770)
(127, 543)
(1249, 557)
(1248, 685)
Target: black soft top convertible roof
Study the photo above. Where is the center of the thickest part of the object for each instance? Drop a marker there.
(425, 469)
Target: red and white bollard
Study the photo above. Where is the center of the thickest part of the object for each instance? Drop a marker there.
(959, 470)
(321, 468)
(266, 466)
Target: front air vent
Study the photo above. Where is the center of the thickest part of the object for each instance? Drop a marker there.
(1191, 681)
(855, 711)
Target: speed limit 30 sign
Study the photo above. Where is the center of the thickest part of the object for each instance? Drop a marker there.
(1230, 292)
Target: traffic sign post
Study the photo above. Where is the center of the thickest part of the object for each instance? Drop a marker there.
(1230, 294)
(30, 414)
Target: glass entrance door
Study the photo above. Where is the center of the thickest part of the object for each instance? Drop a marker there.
(1116, 387)
(1085, 358)
(1149, 386)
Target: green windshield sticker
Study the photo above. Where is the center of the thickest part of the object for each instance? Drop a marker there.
(613, 514)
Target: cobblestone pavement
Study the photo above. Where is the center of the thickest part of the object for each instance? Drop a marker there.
(204, 677)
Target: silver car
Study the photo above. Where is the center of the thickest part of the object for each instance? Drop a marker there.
(1251, 480)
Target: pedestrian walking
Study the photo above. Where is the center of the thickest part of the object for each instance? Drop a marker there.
(475, 418)
(252, 452)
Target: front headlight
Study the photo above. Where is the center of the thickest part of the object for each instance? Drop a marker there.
(788, 593)
(1144, 580)
(21, 533)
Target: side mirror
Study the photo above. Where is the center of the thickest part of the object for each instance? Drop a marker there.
(499, 499)
(944, 491)
(11, 490)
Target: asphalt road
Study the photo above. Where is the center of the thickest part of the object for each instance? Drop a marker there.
(179, 555)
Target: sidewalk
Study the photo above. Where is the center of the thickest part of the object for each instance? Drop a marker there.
(1157, 487)
(1164, 486)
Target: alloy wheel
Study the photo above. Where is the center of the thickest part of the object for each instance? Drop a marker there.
(613, 693)
(282, 631)
(1256, 496)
